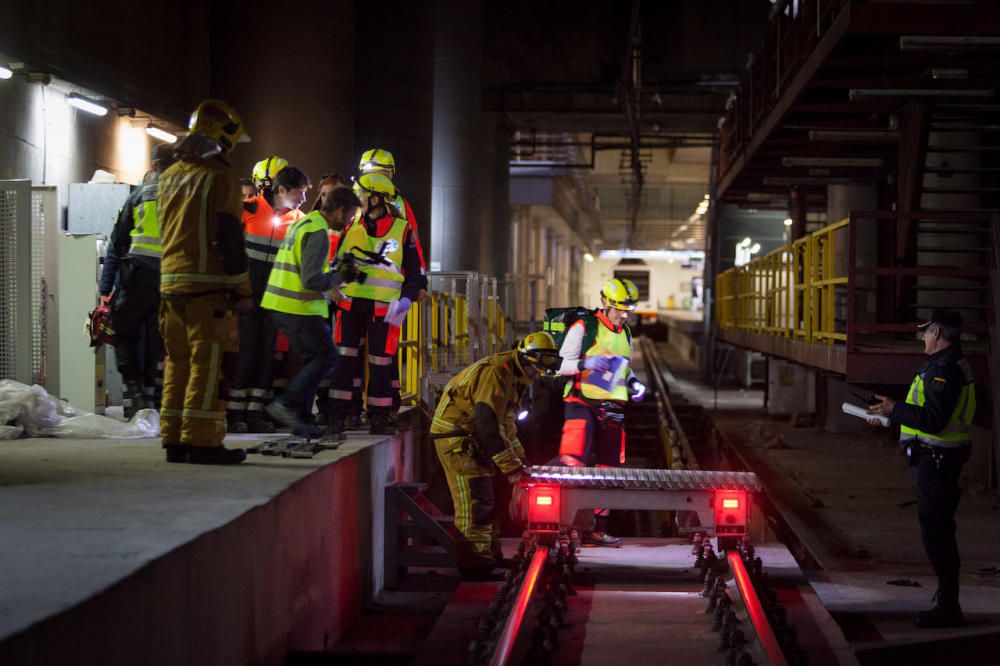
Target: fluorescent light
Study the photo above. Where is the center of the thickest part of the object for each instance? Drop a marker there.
(831, 161)
(588, 256)
(161, 134)
(746, 242)
(755, 249)
(78, 101)
(856, 94)
(707, 197)
(5, 73)
(788, 221)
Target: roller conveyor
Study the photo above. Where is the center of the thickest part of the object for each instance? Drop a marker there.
(626, 478)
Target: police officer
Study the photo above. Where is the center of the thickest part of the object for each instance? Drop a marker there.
(475, 435)
(934, 432)
(593, 430)
(136, 240)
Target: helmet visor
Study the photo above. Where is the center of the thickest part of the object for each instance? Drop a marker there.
(546, 360)
(627, 305)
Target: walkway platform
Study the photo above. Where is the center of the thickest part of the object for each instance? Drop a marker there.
(110, 555)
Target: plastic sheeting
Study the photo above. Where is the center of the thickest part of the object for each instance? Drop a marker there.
(31, 411)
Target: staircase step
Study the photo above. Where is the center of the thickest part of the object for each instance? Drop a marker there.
(411, 489)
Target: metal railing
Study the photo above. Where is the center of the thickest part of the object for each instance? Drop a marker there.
(816, 289)
(460, 322)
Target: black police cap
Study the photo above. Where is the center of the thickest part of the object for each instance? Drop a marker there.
(944, 317)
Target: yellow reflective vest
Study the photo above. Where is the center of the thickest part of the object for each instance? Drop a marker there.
(285, 291)
(145, 232)
(383, 282)
(956, 433)
(606, 342)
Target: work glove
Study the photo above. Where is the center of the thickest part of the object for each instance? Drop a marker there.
(596, 363)
(638, 390)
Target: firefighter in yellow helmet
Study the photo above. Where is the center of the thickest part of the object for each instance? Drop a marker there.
(475, 435)
(203, 279)
(266, 218)
(373, 307)
(596, 353)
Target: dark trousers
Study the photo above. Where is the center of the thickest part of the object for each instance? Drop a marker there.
(252, 387)
(138, 347)
(312, 340)
(354, 327)
(937, 472)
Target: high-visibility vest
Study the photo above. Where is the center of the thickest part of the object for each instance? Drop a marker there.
(607, 342)
(383, 282)
(285, 291)
(264, 230)
(956, 433)
(145, 232)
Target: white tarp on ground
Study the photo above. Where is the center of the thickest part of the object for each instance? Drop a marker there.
(32, 411)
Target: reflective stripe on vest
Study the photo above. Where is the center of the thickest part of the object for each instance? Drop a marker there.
(285, 291)
(146, 228)
(607, 343)
(383, 283)
(956, 433)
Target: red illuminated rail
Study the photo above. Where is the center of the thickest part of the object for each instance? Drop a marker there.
(509, 636)
(756, 611)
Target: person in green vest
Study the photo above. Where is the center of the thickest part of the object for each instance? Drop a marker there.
(297, 298)
(934, 426)
(596, 353)
(136, 240)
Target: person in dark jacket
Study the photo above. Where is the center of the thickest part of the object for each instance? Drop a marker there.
(934, 432)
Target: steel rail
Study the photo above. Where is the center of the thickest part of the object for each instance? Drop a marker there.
(505, 644)
(756, 612)
(653, 361)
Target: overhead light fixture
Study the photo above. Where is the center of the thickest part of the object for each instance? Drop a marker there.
(956, 74)
(782, 181)
(746, 242)
(161, 134)
(872, 162)
(857, 94)
(707, 197)
(854, 135)
(755, 249)
(78, 101)
(588, 256)
(788, 221)
(947, 43)
(683, 227)
(5, 72)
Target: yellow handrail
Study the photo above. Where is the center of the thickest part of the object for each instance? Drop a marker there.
(791, 292)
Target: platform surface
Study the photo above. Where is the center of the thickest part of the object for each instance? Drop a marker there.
(76, 516)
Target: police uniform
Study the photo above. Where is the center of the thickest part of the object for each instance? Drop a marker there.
(475, 434)
(934, 430)
(138, 348)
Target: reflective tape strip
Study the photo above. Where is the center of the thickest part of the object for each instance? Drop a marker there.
(203, 415)
(237, 405)
(237, 393)
(169, 412)
(348, 351)
(255, 407)
(146, 240)
(341, 395)
(172, 278)
(295, 295)
(443, 425)
(285, 266)
(373, 359)
(379, 402)
(257, 392)
(380, 282)
(212, 385)
(257, 255)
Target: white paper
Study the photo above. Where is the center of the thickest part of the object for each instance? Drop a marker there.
(862, 413)
(395, 314)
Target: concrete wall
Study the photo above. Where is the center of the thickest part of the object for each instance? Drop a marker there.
(291, 574)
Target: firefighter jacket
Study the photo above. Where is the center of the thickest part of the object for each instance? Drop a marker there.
(399, 273)
(301, 272)
(940, 403)
(595, 335)
(199, 209)
(479, 405)
(137, 230)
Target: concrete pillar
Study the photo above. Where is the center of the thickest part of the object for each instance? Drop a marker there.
(790, 388)
(457, 127)
(394, 108)
(841, 200)
(495, 228)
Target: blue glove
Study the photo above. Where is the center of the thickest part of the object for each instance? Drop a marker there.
(596, 363)
(638, 390)
(397, 311)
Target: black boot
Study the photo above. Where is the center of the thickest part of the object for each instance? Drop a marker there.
(131, 399)
(336, 425)
(257, 423)
(946, 612)
(176, 453)
(235, 423)
(215, 455)
(381, 425)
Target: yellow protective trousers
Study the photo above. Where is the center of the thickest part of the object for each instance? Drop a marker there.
(199, 334)
(471, 486)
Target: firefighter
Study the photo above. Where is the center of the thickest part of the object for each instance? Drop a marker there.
(596, 353)
(380, 160)
(373, 306)
(934, 433)
(135, 239)
(266, 217)
(296, 298)
(203, 280)
(475, 435)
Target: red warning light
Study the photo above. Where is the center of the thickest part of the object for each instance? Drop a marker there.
(543, 507)
(544, 500)
(730, 503)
